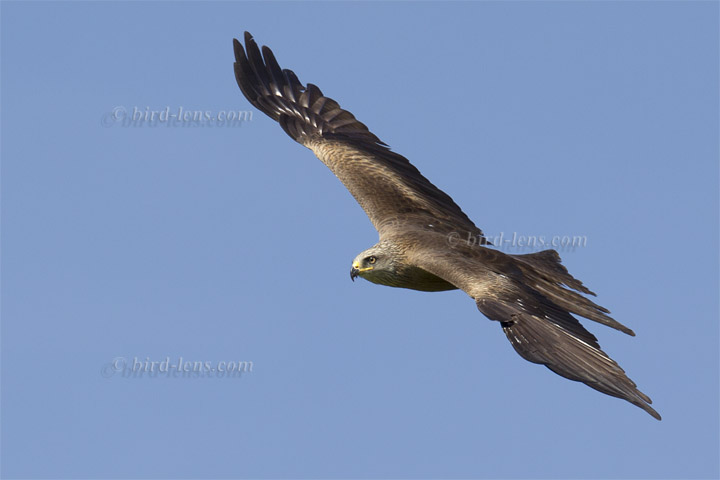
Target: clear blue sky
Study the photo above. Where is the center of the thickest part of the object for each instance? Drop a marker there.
(220, 244)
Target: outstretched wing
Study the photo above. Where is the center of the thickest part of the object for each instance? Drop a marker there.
(387, 186)
(527, 295)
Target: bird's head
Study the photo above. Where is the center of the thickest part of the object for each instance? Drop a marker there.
(374, 264)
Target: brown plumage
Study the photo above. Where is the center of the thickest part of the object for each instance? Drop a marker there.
(532, 296)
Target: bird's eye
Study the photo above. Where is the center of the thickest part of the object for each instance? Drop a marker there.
(371, 260)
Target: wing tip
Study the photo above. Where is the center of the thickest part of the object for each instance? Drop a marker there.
(653, 413)
(238, 50)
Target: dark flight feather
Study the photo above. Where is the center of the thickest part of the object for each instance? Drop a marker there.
(564, 352)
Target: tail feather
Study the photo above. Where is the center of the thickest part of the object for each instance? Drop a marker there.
(548, 264)
(549, 277)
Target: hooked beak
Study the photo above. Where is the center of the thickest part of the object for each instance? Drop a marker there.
(355, 271)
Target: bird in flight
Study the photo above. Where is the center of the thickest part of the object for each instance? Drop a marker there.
(421, 231)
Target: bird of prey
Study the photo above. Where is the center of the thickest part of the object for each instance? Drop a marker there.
(532, 296)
